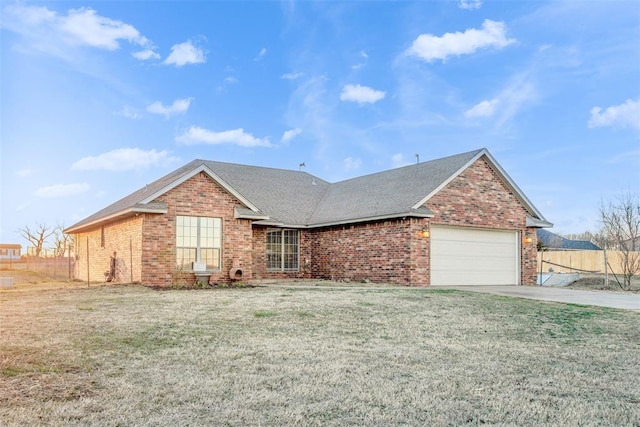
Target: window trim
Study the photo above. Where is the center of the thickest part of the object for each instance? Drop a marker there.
(283, 258)
(198, 246)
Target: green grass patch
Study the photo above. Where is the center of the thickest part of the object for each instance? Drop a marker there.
(264, 313)
(11, 371)
(304, 314)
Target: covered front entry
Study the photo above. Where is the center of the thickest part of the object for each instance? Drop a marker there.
(473, 256)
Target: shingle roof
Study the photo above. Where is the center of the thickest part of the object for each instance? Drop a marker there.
(551, 240)
(388, 193)
(296, 198)
(286, 196)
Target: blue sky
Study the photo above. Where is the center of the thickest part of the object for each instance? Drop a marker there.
(100, 98)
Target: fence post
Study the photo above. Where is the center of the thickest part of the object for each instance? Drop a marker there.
(131, 259)
(606, 269)
(88, 281)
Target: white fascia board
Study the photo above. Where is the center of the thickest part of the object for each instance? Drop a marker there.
(372, 218)
(272, 223)
(253, 216)
(143, 209)
(135, 209)
(535, 222)
(202, 168)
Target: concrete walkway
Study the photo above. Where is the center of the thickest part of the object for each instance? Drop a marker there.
(627, 301)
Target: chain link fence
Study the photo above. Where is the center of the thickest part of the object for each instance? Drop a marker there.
(60, 268)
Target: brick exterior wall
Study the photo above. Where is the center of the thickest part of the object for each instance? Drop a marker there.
(198, 196)
(382, 252)
(479, 198)
(124, 238)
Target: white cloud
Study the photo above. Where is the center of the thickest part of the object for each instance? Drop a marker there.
(290, 134)
(87, 28)
(429, 47)
(197, 135)
(124, 159)
(185, 53)
(261, 55)
(145, 55)
(518, 93)
(228, 81)
(398, 160)
(129, 113)
(623, 115)
(79, 27)
(62, 190)
(483, 109)
(351, 164)
(292, 76)
(361, 94)
(179, 106)
(469, 4)
(24, 172)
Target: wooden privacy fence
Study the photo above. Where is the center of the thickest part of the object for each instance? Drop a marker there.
(579, 261)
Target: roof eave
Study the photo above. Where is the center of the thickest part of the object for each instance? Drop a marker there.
(273, 223)
(125, 212)
(201, 168)
(410, 214)
(255, 216)
(538, 223)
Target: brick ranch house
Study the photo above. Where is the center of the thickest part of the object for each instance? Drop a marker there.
(455, 220)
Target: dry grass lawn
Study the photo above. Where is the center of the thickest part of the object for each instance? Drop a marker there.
(278, 355)
(596, 282)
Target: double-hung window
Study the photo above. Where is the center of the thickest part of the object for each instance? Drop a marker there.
(198, 239)
(283, 250)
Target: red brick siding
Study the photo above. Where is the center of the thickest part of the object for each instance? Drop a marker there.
(379, 251)
(122, 237)
(479, 198)
(198, 196)
(529, 271)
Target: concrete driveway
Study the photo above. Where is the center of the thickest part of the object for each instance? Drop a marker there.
(627, 301)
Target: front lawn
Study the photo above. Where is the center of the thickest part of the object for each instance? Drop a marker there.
(130, 355)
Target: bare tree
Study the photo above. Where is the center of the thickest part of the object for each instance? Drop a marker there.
(38, 236)
(621, 227)
(63, 241)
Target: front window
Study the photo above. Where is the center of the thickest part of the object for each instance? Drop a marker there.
(283, 249)
(198, 239)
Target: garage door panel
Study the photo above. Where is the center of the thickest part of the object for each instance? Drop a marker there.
(466, 256)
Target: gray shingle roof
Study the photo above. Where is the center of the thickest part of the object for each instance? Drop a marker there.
(296, 198)
(551, 240)
(388, 193)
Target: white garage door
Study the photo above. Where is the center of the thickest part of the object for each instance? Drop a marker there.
(471, 256)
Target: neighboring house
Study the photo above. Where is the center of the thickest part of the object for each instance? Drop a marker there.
(456, 220)
(10, 252)
(554, 242)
